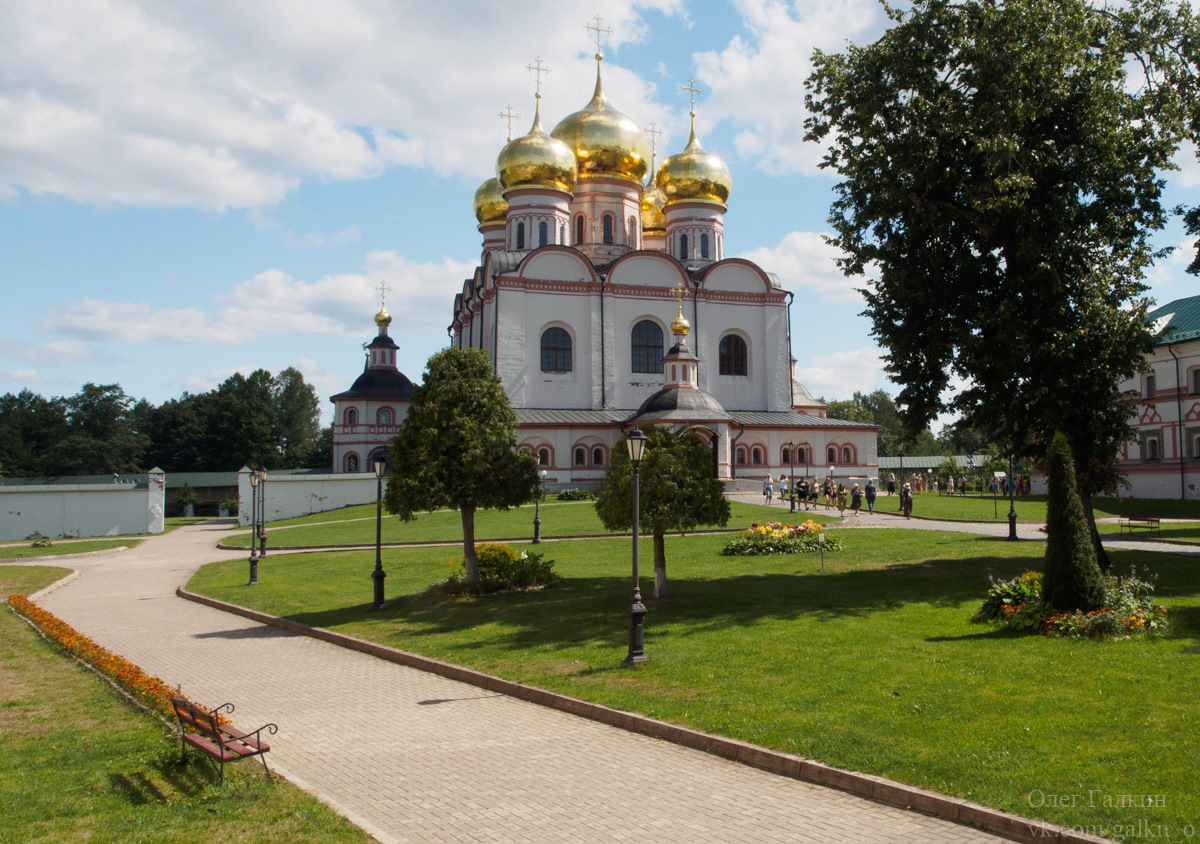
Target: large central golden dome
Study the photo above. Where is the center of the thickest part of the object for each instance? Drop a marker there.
(694, 175)
(605, 141)
(537, 160)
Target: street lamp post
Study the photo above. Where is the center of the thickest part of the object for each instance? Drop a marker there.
(902, 479)
(636, 444)
(792, 479)
(262, 506)
(378, 575)
(253, 529)
(1012, 509)
(970, 470)
(537, 511)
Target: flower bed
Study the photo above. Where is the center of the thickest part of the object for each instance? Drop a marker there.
(149, 691)
(1129, 609)
(779, 538)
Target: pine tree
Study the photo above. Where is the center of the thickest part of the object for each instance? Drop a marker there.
(1072, 578)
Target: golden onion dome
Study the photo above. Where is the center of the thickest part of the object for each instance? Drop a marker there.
(680, 325)
(489, 203)
(653, 218)
(537, 160)
(694, 175)
(605, 141)
(383, 317)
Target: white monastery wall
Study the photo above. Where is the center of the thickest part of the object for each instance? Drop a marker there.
(81, 510)
(291, 496)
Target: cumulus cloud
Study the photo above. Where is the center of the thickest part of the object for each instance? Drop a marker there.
(782, 37)
(24, 377)
(805, 262)
(51, 354)
(841, 374)
(137, 322)
(222, 104)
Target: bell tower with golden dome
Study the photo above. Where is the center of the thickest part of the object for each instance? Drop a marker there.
(695, 187)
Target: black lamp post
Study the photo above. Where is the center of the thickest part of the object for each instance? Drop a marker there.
(262, 507)
(970, 470)
(636, 444)
(792, 462)
(253, 529)
(378, 575)
(901, 479)
(537, 511)
(1012, 510)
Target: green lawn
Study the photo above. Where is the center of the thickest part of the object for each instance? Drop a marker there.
(577, 518)
(21, 552)
(1178, 531)
(869, 665)
(1032, 508)
(79, 763)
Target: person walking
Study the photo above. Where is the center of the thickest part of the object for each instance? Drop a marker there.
(768, 488)
(783, 489)
(891, 484)
(802, 491)
(814, 492)
(841, 499)
(828, 490)
(856, 498)
(871, 496)
(950, 485)
(906, 501)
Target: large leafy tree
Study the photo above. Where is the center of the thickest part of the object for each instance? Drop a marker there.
(677, 492)
(29, 425)
(1002, 179)
(297, 418)
(458, 447)
(100, 435)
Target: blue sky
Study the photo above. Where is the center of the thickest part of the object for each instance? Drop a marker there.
(189, 189)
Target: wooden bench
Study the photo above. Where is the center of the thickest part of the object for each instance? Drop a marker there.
(1138, 520)
(221, 743)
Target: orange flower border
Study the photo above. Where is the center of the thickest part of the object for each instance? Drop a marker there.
(150, 692)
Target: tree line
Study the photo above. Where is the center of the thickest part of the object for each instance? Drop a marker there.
(258, 419)
(878, 408)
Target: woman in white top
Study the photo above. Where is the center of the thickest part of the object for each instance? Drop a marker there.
(768, 489)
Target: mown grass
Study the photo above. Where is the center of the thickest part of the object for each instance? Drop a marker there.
(1177, 531)
(1032, 508)
(577, 518)
(80, 763)
(21, 552)
(871, 664)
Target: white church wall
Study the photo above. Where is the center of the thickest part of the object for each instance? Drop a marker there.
(511, 305)
(571, 388)
(76, 510)
(557, 265)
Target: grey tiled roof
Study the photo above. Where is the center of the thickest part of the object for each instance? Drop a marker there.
(561, 416)
(787, 419)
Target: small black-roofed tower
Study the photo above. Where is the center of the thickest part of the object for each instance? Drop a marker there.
(370, 413)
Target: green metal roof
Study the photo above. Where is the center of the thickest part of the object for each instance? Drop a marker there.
(1183, 323)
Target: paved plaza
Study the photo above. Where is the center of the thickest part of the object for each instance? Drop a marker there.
(415, 757)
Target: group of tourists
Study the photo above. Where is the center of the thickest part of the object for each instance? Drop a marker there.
(809, 491)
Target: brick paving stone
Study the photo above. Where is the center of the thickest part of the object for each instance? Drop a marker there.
(422, 758)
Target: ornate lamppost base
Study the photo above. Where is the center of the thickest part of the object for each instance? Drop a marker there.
(637, 631)
(378, 575)
(253, 570)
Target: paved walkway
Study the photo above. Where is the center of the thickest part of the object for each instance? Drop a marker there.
(415, 757)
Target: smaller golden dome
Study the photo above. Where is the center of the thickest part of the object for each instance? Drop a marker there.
(694, 175)
(680, 325)
(653, 218)
(537, 160)
(490, 204)
(383, 317)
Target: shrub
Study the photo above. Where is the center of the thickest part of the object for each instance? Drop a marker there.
(501, 568)
(777, 538)
(41, 542)
(1073, 579)
(575, 495)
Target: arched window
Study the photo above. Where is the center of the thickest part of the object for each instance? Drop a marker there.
(562, 233)
(703, 245)
(756, 456)
(580, 456)
(520, 235)
(556, 350)
(579, 229)
(831, 453)
(1195, 382)
(1151, 448)
(683, 253)
(740, 456)
(385, 417)
(543, 456)
(543, 234)
(608, 228)
(847, 455)
(351, 417)
(785, 456)
(802, 454)
(1150, 386)
(597, 456)
(732, 355)
(352, 463)
(646, 345)
(633, 231)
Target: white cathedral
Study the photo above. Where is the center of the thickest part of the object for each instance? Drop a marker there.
(606, 303)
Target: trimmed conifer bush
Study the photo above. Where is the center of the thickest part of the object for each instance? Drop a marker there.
(1072, 579)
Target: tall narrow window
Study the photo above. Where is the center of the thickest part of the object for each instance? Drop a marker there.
(647, 347)
(351, 417)
(543, 457)
(543, 234)
(785, 456)
(740, 457)
(352, 463)
(633, 230)
(1196, 382)
(1151, 449)
(703, 245)
(683, 252)
(847, 455)
(1150, 386)
(831, 453)
(556, 350)
(385, 417)
(608, 228)
(520, 235)
(581, 457)
(562, 233)
(597, 456)
(756, 456)
(579, 229)
(731, 357)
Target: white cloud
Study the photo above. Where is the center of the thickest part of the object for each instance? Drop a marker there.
(24, 377)
(264, 222)
(1188, 175)
(779, 50)
(805, 262)
(50, 354)
(841, 374)
(137, 322)
(222, 104)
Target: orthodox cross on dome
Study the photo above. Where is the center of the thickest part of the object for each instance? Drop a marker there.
(692, 92)
(509, 115)
(680, 291)
(653, 131)
(599, 31)
(383, 292)
(538, 70)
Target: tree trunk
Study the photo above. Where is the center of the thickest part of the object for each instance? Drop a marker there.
(660, 565)
(470, 561)
(1101, 555)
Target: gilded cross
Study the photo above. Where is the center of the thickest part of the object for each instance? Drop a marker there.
(599, 32)
(538, 70)
(509, 115)
(692, 92)
(653, 131)
(680, 291)
(383, 292)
